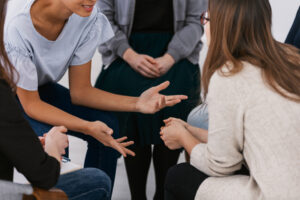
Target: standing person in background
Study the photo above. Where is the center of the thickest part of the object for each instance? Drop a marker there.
(251, 82)
(293, 37)
(47, 38)
(154, 41)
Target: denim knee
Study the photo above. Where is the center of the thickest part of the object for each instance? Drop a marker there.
(96, 179)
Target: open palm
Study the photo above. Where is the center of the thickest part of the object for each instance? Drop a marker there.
(152, 101)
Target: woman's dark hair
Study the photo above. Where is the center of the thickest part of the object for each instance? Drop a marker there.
(241, 31)
(7, 71)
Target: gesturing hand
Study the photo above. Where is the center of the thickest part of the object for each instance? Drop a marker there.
(151, 101)
(143, 64)
(102, 133)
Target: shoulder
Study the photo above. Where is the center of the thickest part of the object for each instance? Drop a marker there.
(17, 16)
(17, 24)
(17, 31)
(6, 95)
(238, 84)
(223, 74)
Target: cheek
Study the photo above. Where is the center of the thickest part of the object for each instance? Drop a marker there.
(73, 5)
(207, 32)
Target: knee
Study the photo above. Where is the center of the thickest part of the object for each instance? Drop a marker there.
(175, 176)
(97, 180)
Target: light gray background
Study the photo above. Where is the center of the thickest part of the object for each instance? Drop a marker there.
(284, 12)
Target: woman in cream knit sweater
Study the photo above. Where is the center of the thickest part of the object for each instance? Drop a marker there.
(252, 85)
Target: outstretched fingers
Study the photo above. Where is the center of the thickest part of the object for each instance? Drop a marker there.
(129, 152)
(174, 99)
(123, 150)
(161, 86)
(117, 146)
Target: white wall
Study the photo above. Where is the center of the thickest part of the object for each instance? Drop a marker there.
(284, 12)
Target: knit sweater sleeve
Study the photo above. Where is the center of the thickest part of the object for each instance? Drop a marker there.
(222, 155)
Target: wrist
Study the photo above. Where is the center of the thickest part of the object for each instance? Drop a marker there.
(129, 54)
(169, 58)
(189, 142)
(86, 127)
(51, 149)
(182, 136)
(135, 105)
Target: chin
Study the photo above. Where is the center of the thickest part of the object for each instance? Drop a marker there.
(83, 14)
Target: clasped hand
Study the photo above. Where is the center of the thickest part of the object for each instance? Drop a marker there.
(148, 66)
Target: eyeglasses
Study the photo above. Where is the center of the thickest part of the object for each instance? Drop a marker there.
(204, 18)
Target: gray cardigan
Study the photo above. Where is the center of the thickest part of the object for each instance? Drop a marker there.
(186, 42)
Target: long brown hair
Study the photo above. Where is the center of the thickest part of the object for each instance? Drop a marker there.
(7, 71)
(241, 31)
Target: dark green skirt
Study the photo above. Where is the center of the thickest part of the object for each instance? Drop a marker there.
(120, 78)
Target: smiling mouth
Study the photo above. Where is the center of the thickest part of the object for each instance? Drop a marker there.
(88, 8)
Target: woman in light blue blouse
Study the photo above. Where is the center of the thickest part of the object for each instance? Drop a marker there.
(46, 38)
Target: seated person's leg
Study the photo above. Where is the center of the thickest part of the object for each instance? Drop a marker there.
(39, 127)
(98, 155)
(198, 117)
(182, 182)
(85, 184)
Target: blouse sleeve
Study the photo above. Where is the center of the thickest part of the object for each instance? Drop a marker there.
(100, 31)
(21, 58)
(20, 145)
(222, 155)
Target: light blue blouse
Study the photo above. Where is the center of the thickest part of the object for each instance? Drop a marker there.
(39, 60)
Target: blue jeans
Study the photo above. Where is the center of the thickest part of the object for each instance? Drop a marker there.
(98, 155)
(85, 184)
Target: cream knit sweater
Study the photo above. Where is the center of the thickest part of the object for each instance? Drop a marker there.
(249, 123)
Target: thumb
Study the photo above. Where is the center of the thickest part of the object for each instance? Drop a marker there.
(151, 60)
(108, 130)
(162, 86)
(62, 129)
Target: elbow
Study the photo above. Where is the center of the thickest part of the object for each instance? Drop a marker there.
(29, 109)
(223, 170)
(46, 185)
(76, 96)
(46, 180)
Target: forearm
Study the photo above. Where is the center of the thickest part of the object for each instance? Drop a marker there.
(199, 133)
(49, 114)
(189, 142)
(102, 100)
(53, 152)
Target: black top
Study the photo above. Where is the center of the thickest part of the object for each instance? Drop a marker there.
(153, 16)
(293, 37)
(20, 147)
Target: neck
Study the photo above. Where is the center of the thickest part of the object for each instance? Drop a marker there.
(52, 11)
